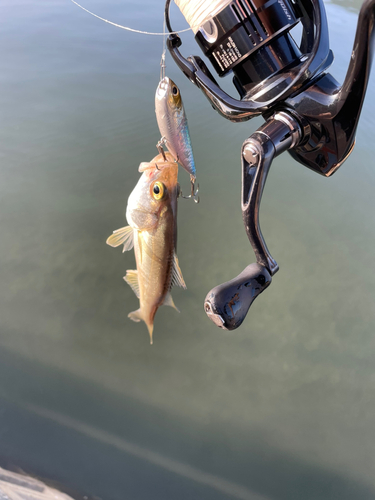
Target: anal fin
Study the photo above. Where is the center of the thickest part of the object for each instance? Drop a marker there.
(177, 278)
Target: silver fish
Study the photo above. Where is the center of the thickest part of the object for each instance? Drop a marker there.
(173, 125)
(152, 217)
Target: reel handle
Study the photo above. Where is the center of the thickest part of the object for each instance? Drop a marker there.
(227, 304)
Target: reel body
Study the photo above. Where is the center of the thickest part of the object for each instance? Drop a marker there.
(307, 112)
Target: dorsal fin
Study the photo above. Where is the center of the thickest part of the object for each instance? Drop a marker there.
(131, 279)
(177, 278)
(122, 236)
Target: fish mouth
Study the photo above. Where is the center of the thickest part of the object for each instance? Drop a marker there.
(163, 86)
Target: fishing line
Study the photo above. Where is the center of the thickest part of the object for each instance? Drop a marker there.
(197, 12)
(162, 61)
(125, 27)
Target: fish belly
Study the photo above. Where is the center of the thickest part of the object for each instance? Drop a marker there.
(154, 255)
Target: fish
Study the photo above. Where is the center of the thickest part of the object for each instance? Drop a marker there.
(151, 213)
(173, 124)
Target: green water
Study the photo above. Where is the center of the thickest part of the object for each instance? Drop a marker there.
(283, 408)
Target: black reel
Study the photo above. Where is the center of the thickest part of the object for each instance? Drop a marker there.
(307, 111)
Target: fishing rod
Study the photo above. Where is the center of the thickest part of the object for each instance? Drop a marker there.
(306, 111)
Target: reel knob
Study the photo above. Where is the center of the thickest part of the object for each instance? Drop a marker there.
(227, 304)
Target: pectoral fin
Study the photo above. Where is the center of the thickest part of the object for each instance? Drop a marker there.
(177, 278)
(131, 279)
(123, 236)
(168, 301)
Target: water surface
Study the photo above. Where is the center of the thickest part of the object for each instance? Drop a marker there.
(281, 409)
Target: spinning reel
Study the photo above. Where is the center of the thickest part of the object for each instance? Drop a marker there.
(306, 111)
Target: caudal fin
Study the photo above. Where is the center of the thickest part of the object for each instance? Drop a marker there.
(138, 316)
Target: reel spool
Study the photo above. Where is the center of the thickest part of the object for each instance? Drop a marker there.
(253, 40)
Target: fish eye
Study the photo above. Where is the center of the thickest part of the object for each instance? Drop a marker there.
(174, 90)
(158, 190)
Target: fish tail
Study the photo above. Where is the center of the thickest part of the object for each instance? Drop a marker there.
(138, 316)
(150, 330)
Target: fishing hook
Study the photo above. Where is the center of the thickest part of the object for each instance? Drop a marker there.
(159, 147)
(194, 189)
